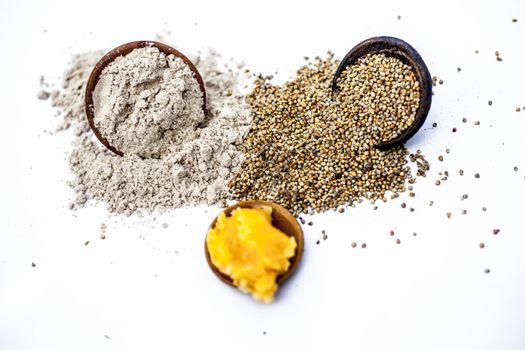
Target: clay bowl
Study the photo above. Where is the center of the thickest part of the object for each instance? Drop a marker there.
(401, 50)
(123, 50)
(283, 220)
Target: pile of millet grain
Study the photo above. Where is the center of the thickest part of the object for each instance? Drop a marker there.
(312, 152)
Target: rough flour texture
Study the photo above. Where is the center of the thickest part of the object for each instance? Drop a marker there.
(146, 101)
(193, 172)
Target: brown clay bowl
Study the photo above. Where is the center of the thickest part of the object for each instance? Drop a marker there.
(401, 50)
(123, 50)
(283, 220)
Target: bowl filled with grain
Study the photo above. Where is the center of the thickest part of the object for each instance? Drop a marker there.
(391, 81)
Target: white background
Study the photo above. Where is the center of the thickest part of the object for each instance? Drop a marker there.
(148, 287)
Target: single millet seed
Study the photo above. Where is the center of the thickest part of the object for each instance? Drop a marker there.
(496, 231)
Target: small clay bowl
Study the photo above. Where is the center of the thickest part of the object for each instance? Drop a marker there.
(281, 219)
(401, 50)
(123, 50)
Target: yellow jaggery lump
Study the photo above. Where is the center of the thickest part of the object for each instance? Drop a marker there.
(246, 247)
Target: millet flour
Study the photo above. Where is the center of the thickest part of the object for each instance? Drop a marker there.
(147, 101)
(188, 173)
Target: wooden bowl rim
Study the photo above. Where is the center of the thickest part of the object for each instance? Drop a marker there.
(403, 51)
(109, 57)
(297, 234)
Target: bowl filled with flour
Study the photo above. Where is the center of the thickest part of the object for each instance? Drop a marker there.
(144, 98)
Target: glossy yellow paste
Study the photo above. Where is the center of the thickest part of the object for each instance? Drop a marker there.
(249, 249)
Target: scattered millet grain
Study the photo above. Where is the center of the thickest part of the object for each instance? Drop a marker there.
(515, 168)
(33, 264)
(484, 208)
(454, 129)
(392, 233)
(449, 215)
(476, 122)
(514, 20)
(412, 210)
(490, 103)
(341, 210)
(86, 243)
(461, 172)
(310, 153)
(102, 236)
(398, 241)
(363, 245)
(464, 212)
(431, 203)
(440, 158)
(438, 182)
(487, 270)
(403, 205)
(465, 196)
(434, 125)
(518, 109)
(482, 245)
(414, 234)
(354, 244)
(459, 69)
(496, 231)
(476, 175)
(310, 223)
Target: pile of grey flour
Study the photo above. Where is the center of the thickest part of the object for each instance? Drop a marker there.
(146, 102)
(193, 169)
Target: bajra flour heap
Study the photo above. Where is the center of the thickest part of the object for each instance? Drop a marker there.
(146, 101)
(192, 165)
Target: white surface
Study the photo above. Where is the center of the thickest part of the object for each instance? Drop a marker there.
(147, 287)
